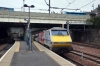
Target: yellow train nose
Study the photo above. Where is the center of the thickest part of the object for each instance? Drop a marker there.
(61, 38)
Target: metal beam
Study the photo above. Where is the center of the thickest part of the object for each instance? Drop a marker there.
(49, 7)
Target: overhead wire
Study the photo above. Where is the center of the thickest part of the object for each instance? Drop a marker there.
(58, 7)
(62, 8)
(86, 5)
(46, 3)
(68, 4)
(71, 3)
(76, 6)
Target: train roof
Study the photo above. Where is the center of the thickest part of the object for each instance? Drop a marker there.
(58, 28)
(76, 13)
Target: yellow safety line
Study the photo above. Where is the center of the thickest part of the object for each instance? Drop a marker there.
(18, 46)
(37, 46)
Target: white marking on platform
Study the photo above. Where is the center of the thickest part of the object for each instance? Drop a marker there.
(6, 53)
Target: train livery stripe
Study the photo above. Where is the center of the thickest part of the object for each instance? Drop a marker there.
(18, 46)
(37, 46)
(61, 45)
(42, 37)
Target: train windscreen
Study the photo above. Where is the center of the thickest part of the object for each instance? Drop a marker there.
(59, 32)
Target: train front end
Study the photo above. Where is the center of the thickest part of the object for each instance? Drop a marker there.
(61, 40)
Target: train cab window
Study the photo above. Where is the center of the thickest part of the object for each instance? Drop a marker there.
(59, 32)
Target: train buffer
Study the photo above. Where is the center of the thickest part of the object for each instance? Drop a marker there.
(19, 55)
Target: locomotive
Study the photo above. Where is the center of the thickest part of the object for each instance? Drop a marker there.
(5, 38)
(9, 35)
(56, 39)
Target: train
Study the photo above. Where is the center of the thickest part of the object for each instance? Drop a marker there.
(5, 38)
(17, 33)
(6, 8)
(75, 13)
(56, 39)
(11, 34)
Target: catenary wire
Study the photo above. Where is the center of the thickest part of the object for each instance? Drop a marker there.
(85, 5)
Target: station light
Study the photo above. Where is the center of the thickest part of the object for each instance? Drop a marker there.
(32, 6)
(28, 27)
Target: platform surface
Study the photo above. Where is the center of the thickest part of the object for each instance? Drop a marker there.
(20, 55)
(31, 58)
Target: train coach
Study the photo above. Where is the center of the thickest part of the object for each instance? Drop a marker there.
(57, 39)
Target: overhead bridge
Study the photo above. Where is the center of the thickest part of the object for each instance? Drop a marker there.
(41, 18)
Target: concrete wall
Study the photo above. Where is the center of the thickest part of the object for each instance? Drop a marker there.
(92, 35)
(95, 35)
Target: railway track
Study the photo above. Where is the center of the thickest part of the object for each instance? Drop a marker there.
(88, 56)
(92, 45)
(4, 48)
(88, 50)
(1, 49)
(84, 55)
(81, 60)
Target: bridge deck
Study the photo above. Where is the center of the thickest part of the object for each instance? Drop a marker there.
(54, 18)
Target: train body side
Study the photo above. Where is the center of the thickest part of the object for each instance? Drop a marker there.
(44, 38)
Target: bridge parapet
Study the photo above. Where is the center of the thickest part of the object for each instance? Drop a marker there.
(43, 16)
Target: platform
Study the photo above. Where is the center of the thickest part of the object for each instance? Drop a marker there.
(19, 55)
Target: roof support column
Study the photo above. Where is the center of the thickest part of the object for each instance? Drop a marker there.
(62, 25)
